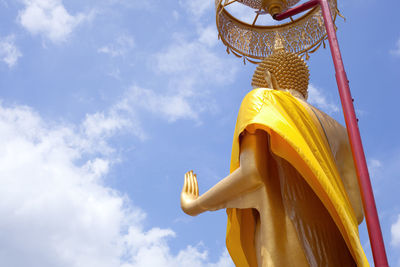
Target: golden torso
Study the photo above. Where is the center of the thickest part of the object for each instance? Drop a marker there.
(291, 225)
(293, 228)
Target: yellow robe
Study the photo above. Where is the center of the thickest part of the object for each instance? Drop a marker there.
(297, 137)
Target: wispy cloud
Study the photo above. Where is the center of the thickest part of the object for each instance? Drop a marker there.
(120, 117)
(188, 64)
(395, 231)
(374, 167)
(196, 8)
(208, 35)
(195, 59)
(144, 4)
(191, 63)
(122, 45)
(9, 52)
(191, 66)
(317, 98)
(396, 50)
(50, 19)
(124, 115)
(169, 106)
(100, 125)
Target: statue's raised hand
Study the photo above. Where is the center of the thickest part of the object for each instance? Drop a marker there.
(190, 194)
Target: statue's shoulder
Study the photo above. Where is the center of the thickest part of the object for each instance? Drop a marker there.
(259, 94)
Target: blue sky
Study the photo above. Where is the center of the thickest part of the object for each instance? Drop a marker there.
(105, 104)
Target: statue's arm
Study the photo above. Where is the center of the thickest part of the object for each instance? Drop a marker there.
(245, 179)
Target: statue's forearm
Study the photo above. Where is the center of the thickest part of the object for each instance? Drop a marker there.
(239, 182)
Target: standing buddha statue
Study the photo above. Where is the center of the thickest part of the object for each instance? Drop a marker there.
(292, 194)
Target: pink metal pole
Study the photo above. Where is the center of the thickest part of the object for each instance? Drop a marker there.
(371, 215)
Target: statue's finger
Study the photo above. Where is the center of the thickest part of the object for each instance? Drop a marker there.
(193, 184)
(196, 186)
(185, 183)
(190, 184)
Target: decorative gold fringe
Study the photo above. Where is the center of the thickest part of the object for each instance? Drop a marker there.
(340, 15)
(233, 52)
(252, 61)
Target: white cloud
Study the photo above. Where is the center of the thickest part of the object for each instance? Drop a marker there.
(317, 98)
(171, 107)
(123, 115)
(143, 4)
(208, 35)
(9, 53)
(50, 19)
(175, 15)
(374, 167)
(57, 212)
(122, 45)
(395, 230)
(197, 8)
(102, 125)
(189, 64)
(396, 51)
(190, 67)
(196, 60)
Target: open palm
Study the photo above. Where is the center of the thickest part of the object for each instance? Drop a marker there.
(190, 192)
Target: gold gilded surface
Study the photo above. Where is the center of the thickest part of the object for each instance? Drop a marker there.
(282, 70)
(291, 196)
(292, 193)
(302, 36)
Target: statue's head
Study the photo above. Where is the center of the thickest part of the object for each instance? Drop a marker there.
(282, 70)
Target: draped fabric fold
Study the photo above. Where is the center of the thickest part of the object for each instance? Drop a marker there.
(296, 137)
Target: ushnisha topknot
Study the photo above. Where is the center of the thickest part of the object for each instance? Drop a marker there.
(287, 70)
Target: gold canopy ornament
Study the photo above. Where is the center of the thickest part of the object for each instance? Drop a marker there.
(302, 35)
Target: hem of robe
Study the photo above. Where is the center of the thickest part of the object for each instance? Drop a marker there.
(295, 136)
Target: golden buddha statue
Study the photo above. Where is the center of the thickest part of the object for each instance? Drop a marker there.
(292, 196)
